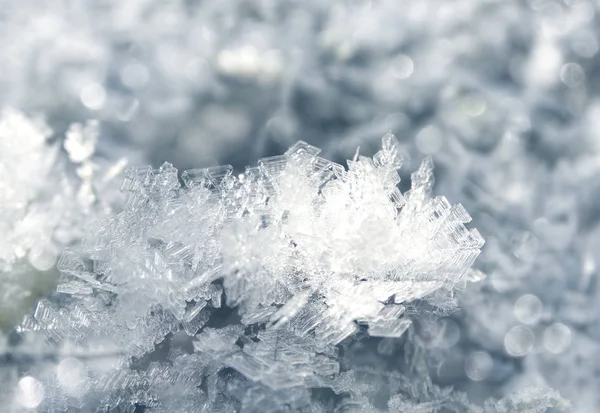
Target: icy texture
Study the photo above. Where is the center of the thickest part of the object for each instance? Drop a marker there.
(326, 246)
(307, 254)
(45, 202)
(503, 96)
(256, 74)
(22, 142)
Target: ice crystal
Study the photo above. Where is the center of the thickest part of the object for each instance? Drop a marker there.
(43, 206)
(22, 141)
(306, 252)
(501, 95)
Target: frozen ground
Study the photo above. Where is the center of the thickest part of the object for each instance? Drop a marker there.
(502, 94)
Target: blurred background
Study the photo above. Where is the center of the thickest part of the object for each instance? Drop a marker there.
(503, 94)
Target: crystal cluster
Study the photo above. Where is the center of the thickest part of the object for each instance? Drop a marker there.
(45, 201)
(22, 142)
(305, 257)
(501, 94)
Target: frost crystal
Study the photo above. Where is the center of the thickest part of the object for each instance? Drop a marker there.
(43, 206)
(502, 94)
(306, 252)
(22, 142)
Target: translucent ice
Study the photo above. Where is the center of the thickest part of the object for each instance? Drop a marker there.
(305, 251)
(45, 203)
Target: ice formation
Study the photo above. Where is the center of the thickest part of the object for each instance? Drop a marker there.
(305, 256)
(501, 94)
(23, 141)
(255, 75)
(45, 202)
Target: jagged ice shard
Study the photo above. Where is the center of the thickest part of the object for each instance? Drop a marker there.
(306, 251)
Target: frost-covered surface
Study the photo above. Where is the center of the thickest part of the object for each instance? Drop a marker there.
(45, 202)
(262, 75)
(23, 143)
(302, 250)
(502, 94)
